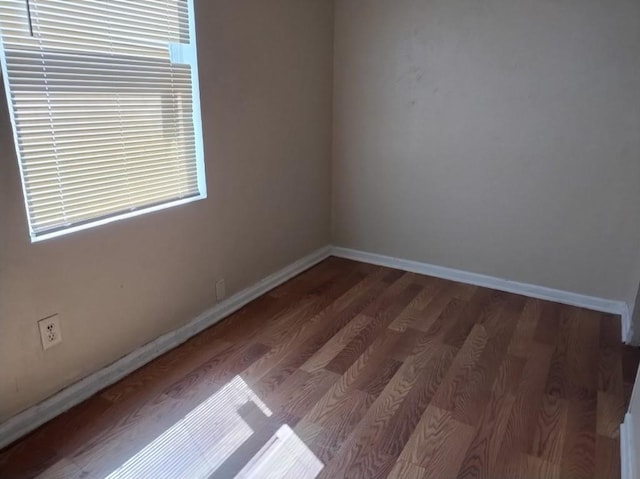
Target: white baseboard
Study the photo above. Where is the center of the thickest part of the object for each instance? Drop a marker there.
(627, 329)
(628, 460)
(541, 292)
(31, 418)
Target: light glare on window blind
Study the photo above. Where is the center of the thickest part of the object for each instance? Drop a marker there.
(103, 117)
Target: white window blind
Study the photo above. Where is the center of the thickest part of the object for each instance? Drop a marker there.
(104, 102)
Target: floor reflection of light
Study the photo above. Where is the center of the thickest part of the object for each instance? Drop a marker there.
(283, 456)
(199, 443)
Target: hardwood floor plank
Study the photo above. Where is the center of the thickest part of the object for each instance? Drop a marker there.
(610, 371)
(548, 323)
(558, 369)
(330, 404)
(63, 469)
(480, 459)
(582, 357)
(330, 295)
(145, 383)
(374, 384)
(550, 428)
(607, 458)
(322, 330)
(610, 332)
(371, 464)
(378, 417)
(482, 304)
(336, 344)
(610, 414)
(315, 276)
(460, 371)
(579, 450)
(413, 311)
(472, 398)
(43, 446)
(202, 381)
(464, 291)
(329, 435)
(296, 357)
(131, 434)
(394, 438)
(406, 470)
(22, 462)
(382, 313)
(337, 316)
(525, 466)
(439, 443)
(519, 433)
(443, 305)
(301, 391)
(524, 334)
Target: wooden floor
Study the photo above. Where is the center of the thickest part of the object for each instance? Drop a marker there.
(357, 371)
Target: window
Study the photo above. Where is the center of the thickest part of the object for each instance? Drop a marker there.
(104, 103)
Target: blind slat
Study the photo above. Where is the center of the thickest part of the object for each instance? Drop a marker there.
(110, 206)
(107, 190)
(42, 178)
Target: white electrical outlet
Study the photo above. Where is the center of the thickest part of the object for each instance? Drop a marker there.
(50, 331)
(221, 290)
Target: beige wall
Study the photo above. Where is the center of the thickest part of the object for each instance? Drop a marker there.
(265, 70)
(499, 137)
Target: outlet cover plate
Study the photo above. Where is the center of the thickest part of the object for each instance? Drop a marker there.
(50, 331)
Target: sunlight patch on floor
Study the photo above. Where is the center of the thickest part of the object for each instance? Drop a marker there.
(200, 443)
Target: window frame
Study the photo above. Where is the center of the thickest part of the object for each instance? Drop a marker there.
(191, 56)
